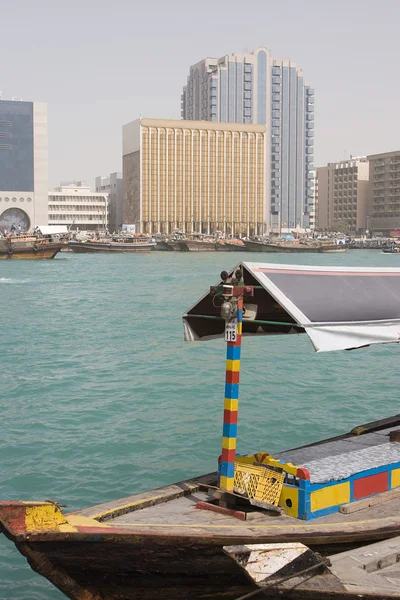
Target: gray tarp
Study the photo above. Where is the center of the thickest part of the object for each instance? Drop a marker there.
(338, 307)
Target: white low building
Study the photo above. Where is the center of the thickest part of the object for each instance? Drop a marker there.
(77, 207)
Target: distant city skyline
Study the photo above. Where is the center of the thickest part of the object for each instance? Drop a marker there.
(114, 72)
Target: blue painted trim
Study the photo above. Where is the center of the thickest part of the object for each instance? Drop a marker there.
(227, 469)
(232, 391)
(229, 430)
(233, 353)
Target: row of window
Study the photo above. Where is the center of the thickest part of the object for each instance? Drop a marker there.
(57, 198)
(14, 199)
(74, 217)
(76, 207)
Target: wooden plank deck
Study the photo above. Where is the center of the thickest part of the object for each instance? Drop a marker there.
(370, 569)
(173, 507)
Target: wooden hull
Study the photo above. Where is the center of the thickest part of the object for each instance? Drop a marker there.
(132, 564)
(236, 247)
(226, 246)
(196, 246)
(162, 247)
(28, 249)
(260, 247)
(174, 246)
(294, 571)
(333, 248)
(100, 247)
(158, 544)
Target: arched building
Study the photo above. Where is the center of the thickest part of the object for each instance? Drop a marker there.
(23, 165)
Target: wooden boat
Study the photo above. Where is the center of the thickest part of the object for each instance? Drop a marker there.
(254, 246)
(134, 243)
(294, 571)
(163, 246)
(174, 245)
(157, 544)
(236, 245)
(391, 250)
(29, 248)
(329, 248)
(169, 543)
(197, 245)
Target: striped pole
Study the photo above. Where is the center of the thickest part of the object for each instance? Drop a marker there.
(229, 434)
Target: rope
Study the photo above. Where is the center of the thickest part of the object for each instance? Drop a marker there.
(258, 321)
(283, 579)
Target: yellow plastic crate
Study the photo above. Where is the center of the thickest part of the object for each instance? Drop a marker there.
(258, 483)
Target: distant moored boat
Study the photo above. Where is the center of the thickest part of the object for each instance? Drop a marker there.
(28, 248)
(135, 243)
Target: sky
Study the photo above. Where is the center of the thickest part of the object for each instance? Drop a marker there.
(101, 64)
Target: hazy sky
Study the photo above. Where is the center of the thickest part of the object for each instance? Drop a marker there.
(99, 64)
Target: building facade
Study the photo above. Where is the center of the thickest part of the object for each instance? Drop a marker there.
(260, 89)
(384, 211)
(343, 194)
(197, 176)
(23, 164)
(77, 207)
(113, 186)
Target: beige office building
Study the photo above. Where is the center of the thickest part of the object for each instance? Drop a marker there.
(384, 192)
(195, 176)
(342, 194)
(77, 207)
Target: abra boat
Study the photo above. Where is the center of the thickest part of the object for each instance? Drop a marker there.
(134, 243)
(169, 543)
(28, 247)
(254, 246)
(392, 250)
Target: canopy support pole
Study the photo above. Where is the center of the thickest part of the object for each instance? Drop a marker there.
(229, 433)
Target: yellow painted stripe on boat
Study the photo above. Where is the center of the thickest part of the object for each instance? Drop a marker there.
(226, 483)
(81, 521)
(330, 496)
(233, 365)
(231, 404)
(46, 517)
(251, 526)
(395, 481)
(229, 443)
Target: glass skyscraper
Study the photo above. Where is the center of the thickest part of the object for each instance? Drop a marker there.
(260, 89)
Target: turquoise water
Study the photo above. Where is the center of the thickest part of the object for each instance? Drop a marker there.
(101, 398)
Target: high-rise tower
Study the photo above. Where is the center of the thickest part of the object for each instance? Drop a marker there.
(260, 89)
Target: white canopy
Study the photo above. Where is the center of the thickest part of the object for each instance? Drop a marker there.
(53, 229)
(340, 308)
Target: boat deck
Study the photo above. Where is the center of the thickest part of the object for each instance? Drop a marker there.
(370, 569)
(178, 516)
(173, 508)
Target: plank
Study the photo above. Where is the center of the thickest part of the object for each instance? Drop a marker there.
(376, 425)
(371, 569)
(364, 503)
(109, 510)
